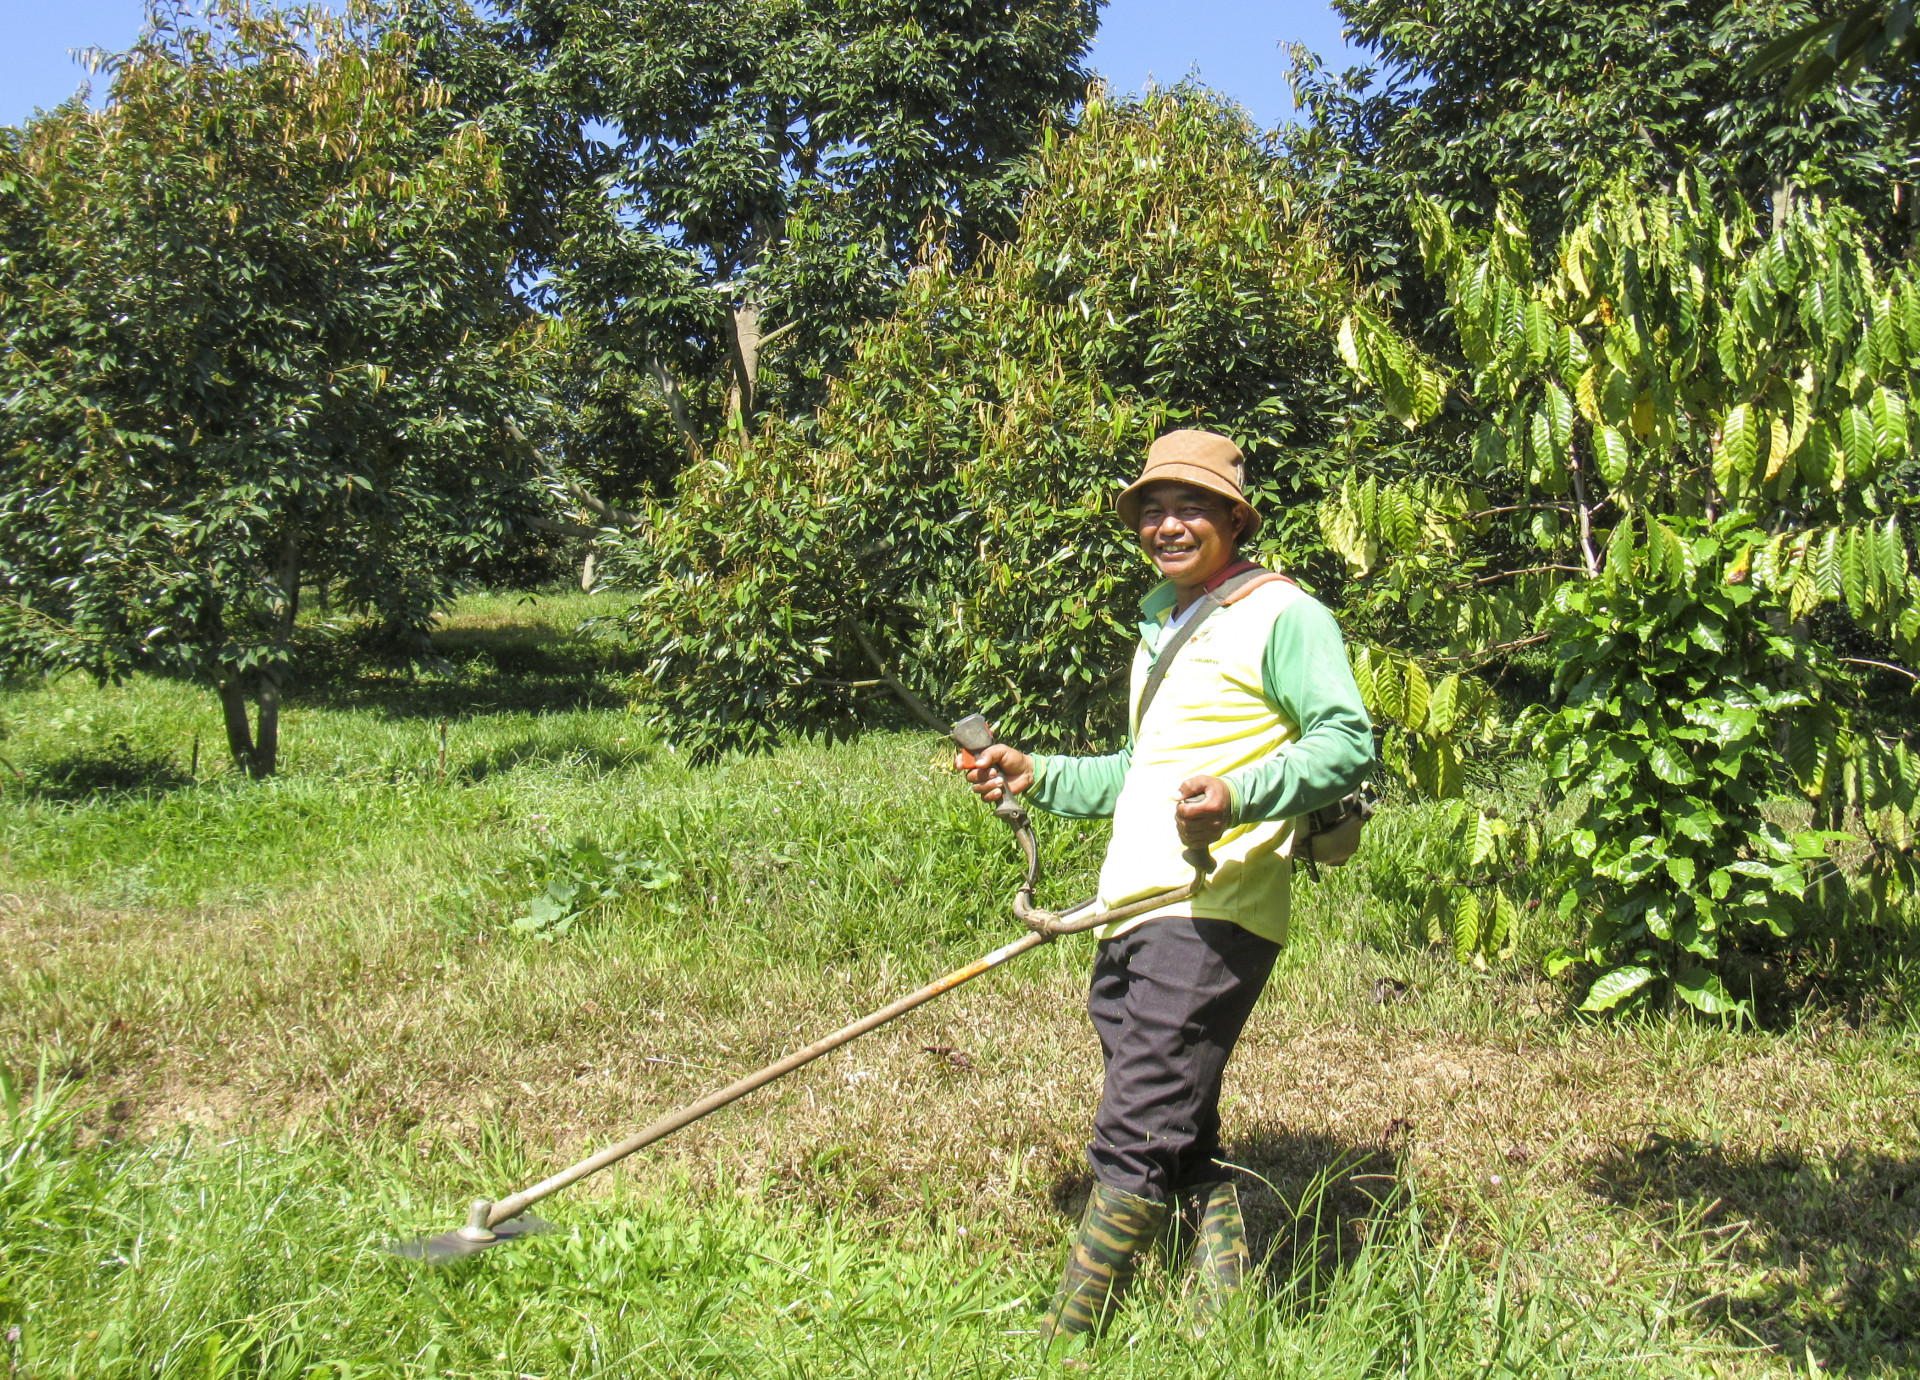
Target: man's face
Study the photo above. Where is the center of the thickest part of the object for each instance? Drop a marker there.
(1189, 532)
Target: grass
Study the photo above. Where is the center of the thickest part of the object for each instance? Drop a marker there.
(279, 1022)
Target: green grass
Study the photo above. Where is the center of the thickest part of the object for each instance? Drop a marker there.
(282, 1021)
(178, 1259)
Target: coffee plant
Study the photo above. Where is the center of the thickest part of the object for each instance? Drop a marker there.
(1681, 465)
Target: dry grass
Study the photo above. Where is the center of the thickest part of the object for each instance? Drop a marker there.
(1617, 1143)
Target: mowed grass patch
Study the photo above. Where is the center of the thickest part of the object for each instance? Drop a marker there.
(324, 971)
(181, 1259)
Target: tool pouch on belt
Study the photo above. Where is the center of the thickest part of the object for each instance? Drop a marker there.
(1333, 831)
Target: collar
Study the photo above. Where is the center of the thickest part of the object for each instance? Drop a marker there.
(1157, 607)
(1238, 567)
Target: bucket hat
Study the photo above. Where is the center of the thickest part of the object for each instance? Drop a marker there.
(1204, 459)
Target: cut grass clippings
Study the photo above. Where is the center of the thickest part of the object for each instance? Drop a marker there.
(296, 1016)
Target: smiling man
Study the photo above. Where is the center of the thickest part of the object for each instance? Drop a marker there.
(1252, 721)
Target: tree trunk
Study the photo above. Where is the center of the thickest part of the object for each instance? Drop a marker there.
(747, 319)
(746, 358)
(1782, 201)
(233, 708)
(256, 747)
(676, 407)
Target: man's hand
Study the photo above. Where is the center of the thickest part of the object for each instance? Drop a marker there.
(1205, 810)
(1015, 766)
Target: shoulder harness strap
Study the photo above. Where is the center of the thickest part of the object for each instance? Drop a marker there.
(1231, 592)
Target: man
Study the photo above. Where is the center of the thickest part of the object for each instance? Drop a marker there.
(1256, 723)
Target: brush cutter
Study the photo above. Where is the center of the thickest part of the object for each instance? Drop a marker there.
(490, 1222)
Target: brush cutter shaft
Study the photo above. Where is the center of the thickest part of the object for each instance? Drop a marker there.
(508, 1208)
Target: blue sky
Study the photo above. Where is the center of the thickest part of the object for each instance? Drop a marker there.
(1236, 46)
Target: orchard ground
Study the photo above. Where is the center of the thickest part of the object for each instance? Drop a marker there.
(253, 1030)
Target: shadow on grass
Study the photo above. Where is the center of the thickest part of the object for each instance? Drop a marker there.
(1834, 1241)
(122, 769)
(579, 754)
(531, 667)
(1314, 1199)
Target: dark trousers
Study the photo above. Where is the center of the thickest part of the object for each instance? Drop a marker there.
(1168, 1001)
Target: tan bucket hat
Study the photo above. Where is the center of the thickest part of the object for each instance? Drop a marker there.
(1204, 459)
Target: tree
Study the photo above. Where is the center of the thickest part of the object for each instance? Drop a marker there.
(1875, 37)
(259, 336)
(774, 167)
(1674, 450)
(942, 533)
(1546, 106)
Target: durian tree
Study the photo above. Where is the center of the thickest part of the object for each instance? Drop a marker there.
(258, 335)
(942, 533)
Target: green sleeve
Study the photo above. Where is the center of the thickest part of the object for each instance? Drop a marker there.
(1078, 787)
(1305, 673)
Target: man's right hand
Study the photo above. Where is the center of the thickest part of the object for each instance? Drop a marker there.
(1015, 766)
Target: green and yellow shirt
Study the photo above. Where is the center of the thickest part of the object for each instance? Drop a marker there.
(1261, 696)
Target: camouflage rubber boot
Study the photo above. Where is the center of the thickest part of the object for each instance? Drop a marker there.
(1115, 1229)
(1221, 1257)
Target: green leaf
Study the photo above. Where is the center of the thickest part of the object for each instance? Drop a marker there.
(1826, 563)
(1417, 697)
(1853, 575)
(1620, 549)
(1699, 825)
(1733, 457)
(1888, 411)
(1506, 924)
(1349, 346)
(1466, 924)
(1441, 704)
(1615, 453)
(1681, 870)
(1487, 832)
(1704, 991)
(1612, 988)
(1389, 686)
(1539, 334)
(1670, 764)
(1819, 464)
(1560, 418)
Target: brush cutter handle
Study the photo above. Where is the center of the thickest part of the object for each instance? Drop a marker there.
(975, 735)
(508, 1208)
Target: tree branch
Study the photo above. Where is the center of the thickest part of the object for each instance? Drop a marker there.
(1881, 665)
(565, 529)
(617, 516)
(893, 682)
(1517, 508)
(676, 406)
(1586, 519)
(775, 334)
(1530, 570)
(1487, 653)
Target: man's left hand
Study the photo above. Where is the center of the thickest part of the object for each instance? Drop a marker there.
(1205, 810)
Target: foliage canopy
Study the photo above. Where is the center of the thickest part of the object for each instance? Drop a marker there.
(1546, 106)
(769, 170)
(1673, 451)
(947, 519)
(259, 334)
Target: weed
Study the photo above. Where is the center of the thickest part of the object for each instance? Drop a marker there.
(577, 879)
